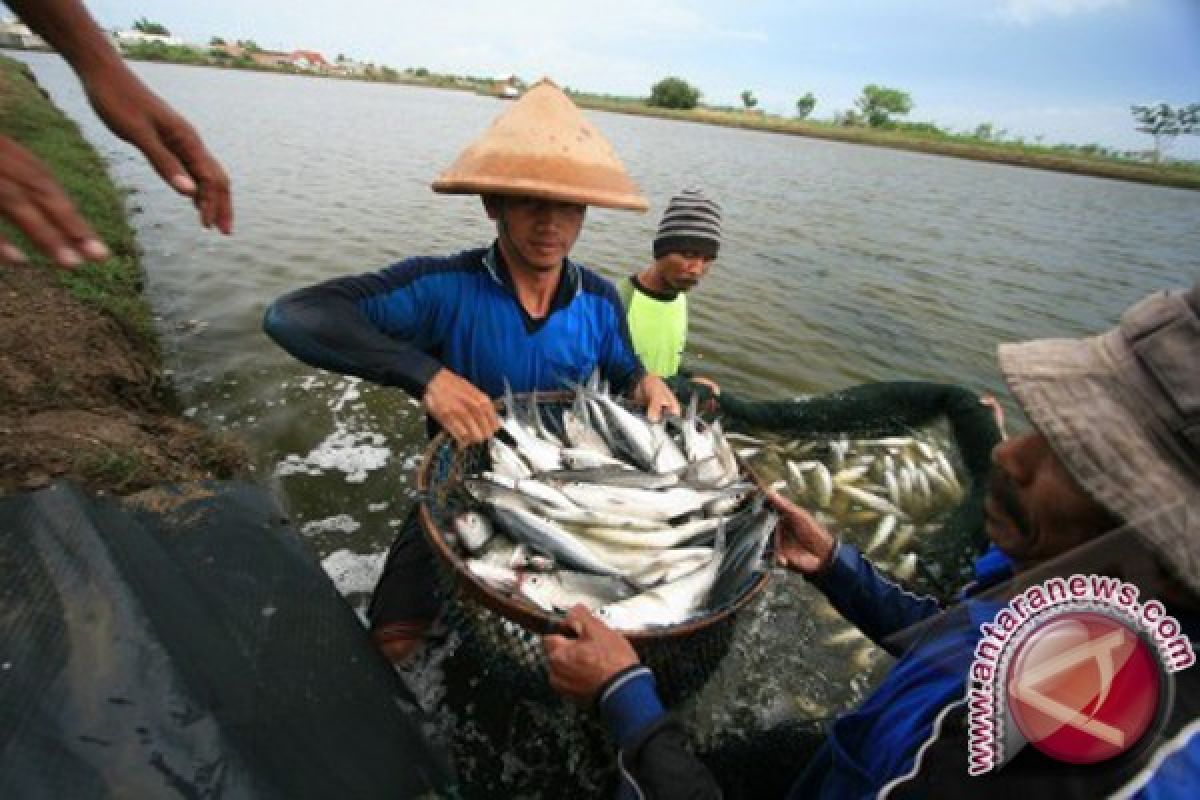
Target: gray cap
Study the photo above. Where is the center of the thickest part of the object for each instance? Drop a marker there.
(691, 223)
(1122, 412)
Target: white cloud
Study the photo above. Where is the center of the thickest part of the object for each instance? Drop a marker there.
(1026, 12)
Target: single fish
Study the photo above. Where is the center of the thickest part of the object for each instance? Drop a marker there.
(796, 480)
(668, 458)
(633, 432)
(674, 536)
(550, 538)
(663, 504)
(893, 489)
(579, 431)
(871, 501)
(483, 488)
(743, 558)
(844, 636)
(587, 458)
(500, 578)
(822, 485)
(669, 603)
(538, 425)
(474, 530)
(887, 524)
(505, 460)
(609, 475)
(906, 567)
(850, 474)
(561, 590)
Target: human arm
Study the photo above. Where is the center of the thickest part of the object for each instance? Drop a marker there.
(33, 201)
(598, 664)
(130, 109)
(653, 392)
(873, 603)
(381, 327)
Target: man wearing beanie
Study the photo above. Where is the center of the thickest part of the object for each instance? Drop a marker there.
(655, 300)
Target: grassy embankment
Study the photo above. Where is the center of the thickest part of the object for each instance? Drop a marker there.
(114, 286)
(1059, 159)
(82, 394)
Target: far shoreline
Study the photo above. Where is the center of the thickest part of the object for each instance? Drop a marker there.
(1177, 176)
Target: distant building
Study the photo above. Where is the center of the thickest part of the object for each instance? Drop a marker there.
(271, 58)
(309, 60)
(506, 86)
(348, 66)
(141, 37)
(14, 33)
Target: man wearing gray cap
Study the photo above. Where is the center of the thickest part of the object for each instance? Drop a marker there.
(1107, 484)
(655, 300)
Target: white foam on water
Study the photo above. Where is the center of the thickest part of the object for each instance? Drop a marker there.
(353, 452)
(342, 523)
(354, 573)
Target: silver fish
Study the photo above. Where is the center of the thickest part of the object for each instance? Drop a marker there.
(474, 530)
(669, 603)
(505, 460)
(504, 579)
(656, 539)
(559, 591)
(549, 537)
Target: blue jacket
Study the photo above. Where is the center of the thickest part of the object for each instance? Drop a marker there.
(907, 739)
(398, 327)
(865, 747)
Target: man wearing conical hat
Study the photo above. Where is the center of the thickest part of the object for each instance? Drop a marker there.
(454, 330)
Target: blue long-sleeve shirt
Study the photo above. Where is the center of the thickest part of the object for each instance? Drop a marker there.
(897, 716)
(398, 327)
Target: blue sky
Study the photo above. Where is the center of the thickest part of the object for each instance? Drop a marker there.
(1065, 69)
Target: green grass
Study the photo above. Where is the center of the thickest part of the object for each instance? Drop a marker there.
(114, 286)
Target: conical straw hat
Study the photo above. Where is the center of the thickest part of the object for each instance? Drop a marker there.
(543, 147)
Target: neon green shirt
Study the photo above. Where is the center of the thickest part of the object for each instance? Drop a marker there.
(658, 325)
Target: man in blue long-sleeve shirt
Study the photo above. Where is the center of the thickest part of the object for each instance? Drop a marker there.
(1117, 439)
(454, 330)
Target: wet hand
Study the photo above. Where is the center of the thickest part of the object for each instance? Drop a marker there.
(997, 411)
(169, 143)
(466, 413)
(32, 200)
(801, 543)
(709, 404)
(579, 666)
(658, 397)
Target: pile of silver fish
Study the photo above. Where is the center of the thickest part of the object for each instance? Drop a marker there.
(879, 493)
(647, 524)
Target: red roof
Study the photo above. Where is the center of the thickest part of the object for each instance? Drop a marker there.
(311, 56)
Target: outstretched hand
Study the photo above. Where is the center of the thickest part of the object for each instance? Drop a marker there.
(801, 543)
(169, 143)
(32, 200)
(579, 666)
(463, 411)
(658, 397)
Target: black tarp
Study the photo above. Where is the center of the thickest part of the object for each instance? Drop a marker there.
(184, 643)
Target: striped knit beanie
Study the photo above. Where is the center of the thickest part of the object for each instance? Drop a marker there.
(691, 223)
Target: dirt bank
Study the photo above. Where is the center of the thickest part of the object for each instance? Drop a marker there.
(82, 394)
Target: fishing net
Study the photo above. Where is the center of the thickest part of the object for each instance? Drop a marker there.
(944, 417)
(501, 633)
